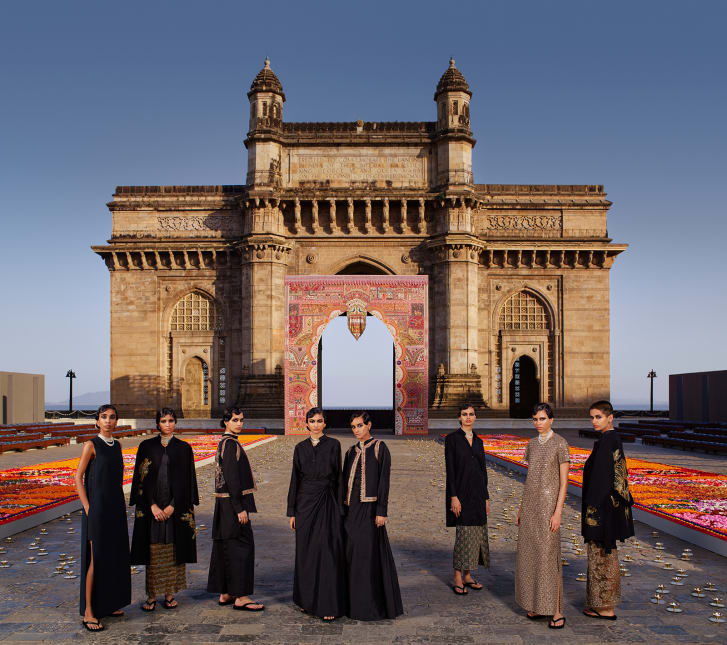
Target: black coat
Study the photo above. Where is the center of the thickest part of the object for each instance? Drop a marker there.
(466, 479)
(606, 512)
(183, 487)
(375, 466)
(234, 488)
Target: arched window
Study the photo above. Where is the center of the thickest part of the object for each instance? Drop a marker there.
(523, 310)
(195, 312)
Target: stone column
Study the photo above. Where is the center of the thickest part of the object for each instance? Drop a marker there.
(385, 217)
(264, 266)
(455, 269)
(332, 214)
(349, 216)
(314, 210)
(367, 223)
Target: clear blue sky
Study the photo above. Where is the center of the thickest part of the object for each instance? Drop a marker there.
(628, 94)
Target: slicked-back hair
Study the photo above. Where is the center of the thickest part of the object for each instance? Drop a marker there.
(229, 413)
(604, 406)
(312, 412)
(163, 413)
(466, 406)
(103, 408)
(545, 407)
(365, 417)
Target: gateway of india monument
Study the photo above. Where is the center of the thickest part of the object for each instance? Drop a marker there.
(515, 277)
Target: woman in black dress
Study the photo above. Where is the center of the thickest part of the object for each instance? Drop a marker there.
(467, 500)
(164, 491)
(606, 514)
(373, 586)
(232, 564)
(105, 568)
(315, 512)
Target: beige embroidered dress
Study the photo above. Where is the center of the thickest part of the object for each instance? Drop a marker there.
(538, 567)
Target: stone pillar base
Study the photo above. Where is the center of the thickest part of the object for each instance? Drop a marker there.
(451, 390)
(261, 396)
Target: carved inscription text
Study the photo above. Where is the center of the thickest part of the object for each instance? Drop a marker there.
(402, 169)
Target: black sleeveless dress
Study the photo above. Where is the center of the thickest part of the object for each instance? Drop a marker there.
(105, 528)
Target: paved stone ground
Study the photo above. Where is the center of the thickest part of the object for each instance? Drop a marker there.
(36, 605)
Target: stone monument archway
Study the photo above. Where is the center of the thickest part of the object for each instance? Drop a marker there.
(400, 302)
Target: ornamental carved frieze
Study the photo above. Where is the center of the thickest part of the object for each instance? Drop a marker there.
(220, 223)
(524, 222)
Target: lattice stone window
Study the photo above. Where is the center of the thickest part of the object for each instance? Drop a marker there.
(523, 310)
(194, 312)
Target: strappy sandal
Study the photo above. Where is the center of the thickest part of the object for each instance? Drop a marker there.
(553, 621)
(473, 584)
(224, 603)
(170, 604)
(328, 619)
(98, 626)
(149, 605)
(462, 591)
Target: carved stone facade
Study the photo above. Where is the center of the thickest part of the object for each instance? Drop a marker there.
(518, 274)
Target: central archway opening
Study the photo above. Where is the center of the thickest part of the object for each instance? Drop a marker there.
(524, 390)
(356, 374)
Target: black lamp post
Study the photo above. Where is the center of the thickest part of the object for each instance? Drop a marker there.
(70, 375)
(651, 375)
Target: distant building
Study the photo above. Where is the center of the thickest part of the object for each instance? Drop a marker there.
(698, 396)
(518, 274)
(23, 397)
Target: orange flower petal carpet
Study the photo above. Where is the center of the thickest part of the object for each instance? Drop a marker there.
(34, 489)
(693, 498)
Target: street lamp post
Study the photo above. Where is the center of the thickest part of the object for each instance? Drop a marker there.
(651, 376)
(70, 375)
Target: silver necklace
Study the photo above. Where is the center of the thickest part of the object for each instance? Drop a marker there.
(105, 440)
(544, 439)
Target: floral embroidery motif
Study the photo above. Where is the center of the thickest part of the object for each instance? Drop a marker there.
(143, 472)
(620, 479)
(188, 518)
(139, 513)
(592, 516)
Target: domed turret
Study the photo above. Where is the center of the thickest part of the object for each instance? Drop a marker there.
(453, 100)
(454, 137)
(452, 81)
(267, 81)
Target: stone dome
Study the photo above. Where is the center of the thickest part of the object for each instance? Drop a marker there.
(452, 81)
(266, 81)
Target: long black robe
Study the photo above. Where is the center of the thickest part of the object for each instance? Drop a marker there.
(606, 504)
(466, 479)
(232, 563)
(182, 480)
(373, 586)
(104, 532)
(314, 499)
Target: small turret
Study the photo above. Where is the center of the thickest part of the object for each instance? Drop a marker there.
(266, 99)
(453, 100)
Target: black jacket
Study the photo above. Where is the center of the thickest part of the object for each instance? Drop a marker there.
(466, 479)
(606, 512)
(375, 464)
(183, 485)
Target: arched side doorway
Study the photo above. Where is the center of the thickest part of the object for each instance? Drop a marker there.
(196, 356)
(400, 302)
(524, 340)
(524, 387)
(195, 388)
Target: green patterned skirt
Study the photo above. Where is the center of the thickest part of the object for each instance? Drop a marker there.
(471, 548)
